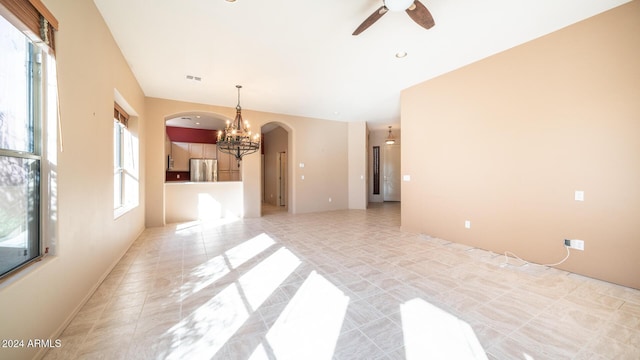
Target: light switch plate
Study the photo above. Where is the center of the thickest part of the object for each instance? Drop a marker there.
(579, 196)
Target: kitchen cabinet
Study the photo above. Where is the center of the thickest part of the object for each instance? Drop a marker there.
(224, 161)
(180, 156)
(210, 151)
(233, 175)
(181, 152)
(224, 175)
(228, 169)
(196, 151)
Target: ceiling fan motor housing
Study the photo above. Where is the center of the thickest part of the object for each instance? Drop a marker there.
(398, 5)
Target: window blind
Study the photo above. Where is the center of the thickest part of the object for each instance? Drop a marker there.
(33, 18)
(120, 115)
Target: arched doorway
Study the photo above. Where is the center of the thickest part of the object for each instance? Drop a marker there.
(193, 135)
(201, 182)
(275, 168)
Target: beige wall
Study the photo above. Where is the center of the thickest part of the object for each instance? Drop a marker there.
(38, 302)
(506, 141)
(275, 142)
(357, 165)
(320, 144)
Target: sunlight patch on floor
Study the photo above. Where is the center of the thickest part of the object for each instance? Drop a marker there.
(309, 326)
(205, 275)
(431, 333)
(205, 331)
(258, 283)
(209, 327)
(259, 353)
(214, 269)
(188, 225)
(248, 249)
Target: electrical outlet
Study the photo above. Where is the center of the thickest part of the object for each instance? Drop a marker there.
(574, 244)
(467, 224)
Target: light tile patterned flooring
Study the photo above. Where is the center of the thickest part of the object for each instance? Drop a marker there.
(341, 285)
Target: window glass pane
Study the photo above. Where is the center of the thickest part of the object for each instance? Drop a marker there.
(117, 189)
(15, 124)
(19, 211)
(117, 165)
(117, 147)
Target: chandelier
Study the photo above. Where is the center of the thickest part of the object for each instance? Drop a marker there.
(236, 138)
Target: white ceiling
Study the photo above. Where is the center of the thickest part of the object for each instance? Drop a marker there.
(299, 57)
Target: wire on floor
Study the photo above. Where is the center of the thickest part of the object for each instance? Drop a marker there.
(525, 263)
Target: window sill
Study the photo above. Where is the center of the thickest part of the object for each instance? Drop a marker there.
(26, 271)
(123, 210)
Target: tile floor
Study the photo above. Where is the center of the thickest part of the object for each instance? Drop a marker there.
(341, 285)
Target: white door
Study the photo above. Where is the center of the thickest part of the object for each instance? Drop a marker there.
(391, 173)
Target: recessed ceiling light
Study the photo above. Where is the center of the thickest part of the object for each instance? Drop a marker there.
(401, 54)
(230, 1)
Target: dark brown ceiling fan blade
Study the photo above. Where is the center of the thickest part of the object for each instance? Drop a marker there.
(421, 15)
(371, 19)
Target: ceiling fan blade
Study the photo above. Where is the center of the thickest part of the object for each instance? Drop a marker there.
(371, 19)
(421, 15)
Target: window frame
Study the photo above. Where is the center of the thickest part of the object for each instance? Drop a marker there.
(118, 170)
(36, 244)
(126, 168)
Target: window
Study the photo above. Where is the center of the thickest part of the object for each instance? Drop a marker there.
(28, 134)
(20, 148)
(118, 168)
(376, 170)
(125, 163)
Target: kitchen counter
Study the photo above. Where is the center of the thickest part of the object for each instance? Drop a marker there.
(189, 201)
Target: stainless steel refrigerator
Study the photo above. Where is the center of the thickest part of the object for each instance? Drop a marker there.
(203, 169)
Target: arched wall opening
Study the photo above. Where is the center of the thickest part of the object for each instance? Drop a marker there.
(276, 168)
(201, 182)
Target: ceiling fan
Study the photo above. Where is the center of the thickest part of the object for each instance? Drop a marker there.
(418, 12)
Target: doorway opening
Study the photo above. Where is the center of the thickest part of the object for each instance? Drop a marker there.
(282, 178)
(275, 169)
(384, 168)
(391, 171)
